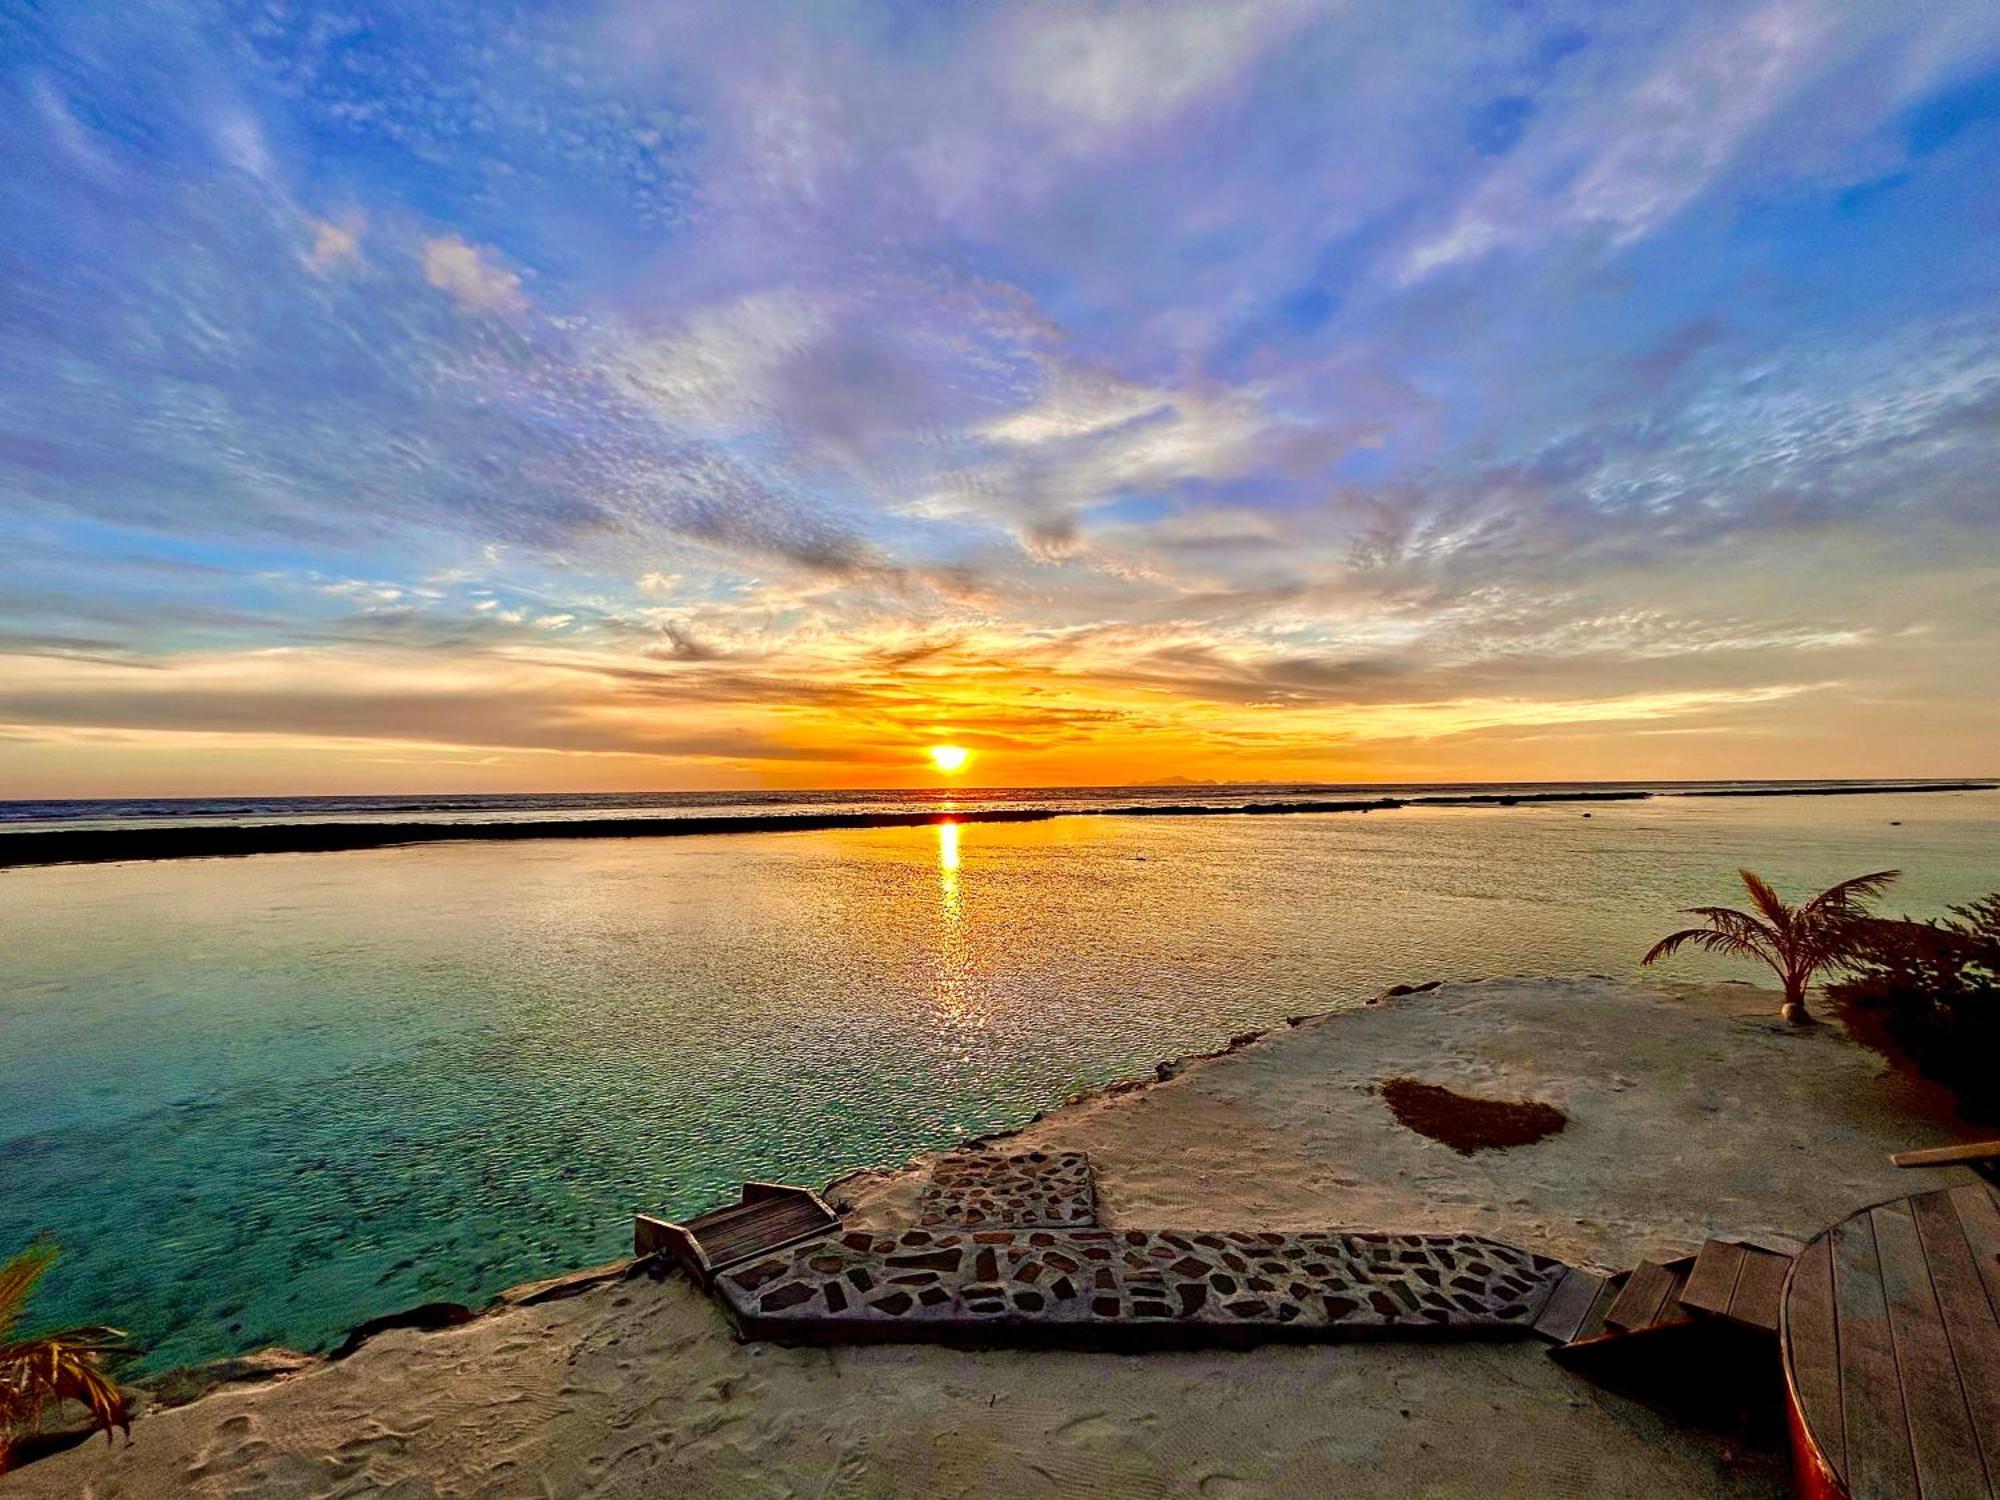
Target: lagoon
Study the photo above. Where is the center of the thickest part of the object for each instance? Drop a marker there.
(260, 1099)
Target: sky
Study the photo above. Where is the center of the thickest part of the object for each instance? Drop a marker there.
(478, 396)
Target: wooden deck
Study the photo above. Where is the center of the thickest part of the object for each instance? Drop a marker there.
(1890, 1329)
(769, 1216)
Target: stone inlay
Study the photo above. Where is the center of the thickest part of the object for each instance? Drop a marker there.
(1142, 1285)
(1032, 1189)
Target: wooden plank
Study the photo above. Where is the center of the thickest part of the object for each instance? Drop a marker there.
(1758, 1290)
(1638, 1305)
(1942, 1442)
(718, 1220)
(1811, 1351)
(1568, 1305)
(1949, 1156)
(1593, 1321)
(1879, 1465)
(759, 1211)
(1671, 1310)
(1980, 1215)
(1714, 1278)
(772, 1223)
(1970, 1321)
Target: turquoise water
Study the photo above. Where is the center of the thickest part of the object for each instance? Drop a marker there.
(258, 1100)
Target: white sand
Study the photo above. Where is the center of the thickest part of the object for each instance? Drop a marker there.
(1689, 1114)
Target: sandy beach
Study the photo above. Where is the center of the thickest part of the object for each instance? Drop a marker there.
(1691, 1111)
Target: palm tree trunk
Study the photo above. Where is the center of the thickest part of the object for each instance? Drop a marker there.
(1794, 1008)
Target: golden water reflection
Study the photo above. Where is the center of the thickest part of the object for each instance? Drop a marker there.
(956, 993)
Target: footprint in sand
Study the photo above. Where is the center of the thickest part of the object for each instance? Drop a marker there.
(211, 1460)
(1092, 1427)
(1225, 1486)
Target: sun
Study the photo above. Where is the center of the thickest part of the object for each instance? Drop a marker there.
(949, 758)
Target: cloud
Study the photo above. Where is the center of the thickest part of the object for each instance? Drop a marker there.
(1079, 404)
(1089, 438)
(719, 373)
(333, 245)
(1243, 383)
(241, 142)
(1107, 70)
(1648, 150)
(471, 279)
(1688, 117)
(682, 646)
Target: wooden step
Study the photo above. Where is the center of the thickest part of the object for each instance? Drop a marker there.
(1739, 1282)
(769, 1216)
(1569, 1305)
(1713, 1280)
(1759, 1290)
(1651, 1297)
(1592, 1326)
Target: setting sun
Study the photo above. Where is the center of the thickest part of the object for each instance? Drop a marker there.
(949, 757)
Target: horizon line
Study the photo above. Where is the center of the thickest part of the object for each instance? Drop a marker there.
(1163, 783)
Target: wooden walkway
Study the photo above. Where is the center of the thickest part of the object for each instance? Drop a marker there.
(1890, 1328)
(1727, 1282)
(769, 1216)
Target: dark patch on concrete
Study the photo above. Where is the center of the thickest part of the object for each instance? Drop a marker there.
(1468, 1124)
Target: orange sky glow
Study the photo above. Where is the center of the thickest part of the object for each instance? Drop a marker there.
(1121, 392)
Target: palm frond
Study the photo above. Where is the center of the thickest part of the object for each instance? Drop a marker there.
(1848, 894)
(93, 1338)
(1728, 916)
(52, 1367)
(18, 1278)
(1706, 938)
(60, 1367)
(1765, 899)
(1756, 937)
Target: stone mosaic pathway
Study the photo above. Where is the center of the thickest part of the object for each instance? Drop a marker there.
(1135, 1287)
(1009, 1251)
(985, 1188)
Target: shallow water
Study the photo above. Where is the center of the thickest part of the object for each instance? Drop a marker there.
(258, 1100)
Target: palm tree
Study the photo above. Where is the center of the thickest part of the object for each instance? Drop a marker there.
(51, 1367)
(1797, 942)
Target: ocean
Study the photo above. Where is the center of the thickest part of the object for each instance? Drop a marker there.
(478, 807)
(258, 1100)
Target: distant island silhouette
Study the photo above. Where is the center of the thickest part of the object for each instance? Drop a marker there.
(51, 846)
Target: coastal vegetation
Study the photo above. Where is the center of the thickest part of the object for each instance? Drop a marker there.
(46, 1369)
(1797, 942)
(1937, 986)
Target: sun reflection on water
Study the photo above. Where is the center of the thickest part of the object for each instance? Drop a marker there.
(955, 985)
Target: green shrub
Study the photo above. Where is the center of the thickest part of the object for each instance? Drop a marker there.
(1939, 983)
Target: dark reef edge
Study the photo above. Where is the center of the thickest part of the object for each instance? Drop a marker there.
(70, 846)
